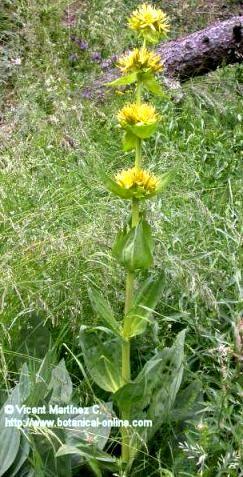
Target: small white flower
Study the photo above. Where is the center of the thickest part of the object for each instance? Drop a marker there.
(16, 61)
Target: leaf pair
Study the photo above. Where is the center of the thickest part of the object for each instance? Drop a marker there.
(48, 383)
(136, 320)
(134, 248)
(102, 359)
(133, 133)
(152, 394)
(147, 79)
(86, 443)
(141, 131)
(128, 194)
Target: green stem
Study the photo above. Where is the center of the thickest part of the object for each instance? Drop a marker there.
(138, 152)
(126, 362)
(135, 212)
(139, 92)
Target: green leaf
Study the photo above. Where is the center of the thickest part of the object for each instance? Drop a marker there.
(133, 249)
(35, 342)
(164, 180)
(153, 36)
(21, 457)
(95, 468)
(171, 376)
(113, 187)
(152, 394)
(166, 473)
(60, 384)
(145, 302)
(188, 402)
(40, 387)
(85, 450)
(128, 194)
(26, 471)
(24, 383)
(9, 436)
(99, 435)
(143, 131)
(103, 310)
(124, 80)
(129, 141)
(135, 396)
(102, 359)
(153, 86)
(44, 458)
(14, 447)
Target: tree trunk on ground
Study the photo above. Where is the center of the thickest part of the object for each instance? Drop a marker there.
(194, 54)
(204, 50)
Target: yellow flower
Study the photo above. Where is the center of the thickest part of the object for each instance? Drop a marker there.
(140, 60)
(150, 22)
(137, 114)
(140, 180)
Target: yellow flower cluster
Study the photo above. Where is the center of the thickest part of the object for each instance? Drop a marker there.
(137, 114)
(148, 20)
(137, 178)
(140, 60)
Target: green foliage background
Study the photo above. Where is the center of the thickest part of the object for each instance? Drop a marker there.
(58, 223)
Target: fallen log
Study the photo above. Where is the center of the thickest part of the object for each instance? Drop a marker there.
(195, 54)
(204, 50)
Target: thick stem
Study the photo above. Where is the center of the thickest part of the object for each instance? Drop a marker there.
(138, 153)
(126, 362)
(139, 92)
(126, 366)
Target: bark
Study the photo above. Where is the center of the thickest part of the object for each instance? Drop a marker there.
(204, 50)
(194, 54)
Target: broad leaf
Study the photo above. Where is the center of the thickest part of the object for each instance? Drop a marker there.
(24, 383)
(153, 86)
(9, 436)
(129, 194)
(124, 80)
(40, 387)
(144, 304)
(26, 471)
(45, 462)
(93, 464)
(143, 131)
(102, 359)
(99, 435)
(129, 141)
(134, 397)
(152, 394)
(60, 384)
(133, 249)
(189, 402)
(171, 376)
(21, 457)
(113, 187)
(14, 447)
(103, 309)
(153, 36)
(85, 450)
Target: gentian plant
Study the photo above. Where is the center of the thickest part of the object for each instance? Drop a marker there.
(106, 350)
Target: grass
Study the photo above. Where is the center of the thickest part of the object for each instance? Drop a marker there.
(58, 223)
